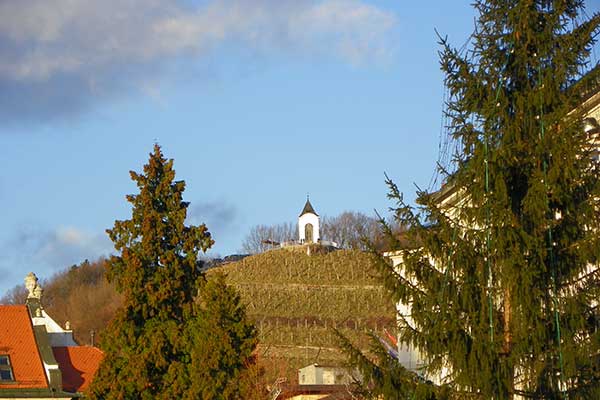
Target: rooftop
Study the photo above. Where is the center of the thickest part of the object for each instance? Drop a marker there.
(17, 340)
(338, 392)
(78, 365)
(308, 208)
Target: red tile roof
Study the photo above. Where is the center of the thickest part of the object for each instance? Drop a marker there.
(78, 365)
(18, 342)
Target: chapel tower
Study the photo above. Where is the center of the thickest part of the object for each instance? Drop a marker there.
(308, 224)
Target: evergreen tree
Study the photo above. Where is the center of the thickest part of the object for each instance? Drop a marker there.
(502, 276)
(157, 274)
(221, 345)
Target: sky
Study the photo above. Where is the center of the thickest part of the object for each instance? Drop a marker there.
(259, 103)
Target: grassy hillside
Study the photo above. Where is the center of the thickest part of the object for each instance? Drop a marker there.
(296, 300)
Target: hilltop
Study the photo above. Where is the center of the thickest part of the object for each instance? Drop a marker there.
(295, 300)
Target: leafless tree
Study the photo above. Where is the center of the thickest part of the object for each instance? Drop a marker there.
(16, 295)
(78, 294)
(264, 237)
(349, 229)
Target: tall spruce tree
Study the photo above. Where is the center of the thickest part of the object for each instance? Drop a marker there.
(157, 273)
(502, 277)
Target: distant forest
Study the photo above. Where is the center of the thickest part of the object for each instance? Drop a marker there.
(78, 294)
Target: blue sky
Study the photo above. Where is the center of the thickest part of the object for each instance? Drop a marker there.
(259, 102)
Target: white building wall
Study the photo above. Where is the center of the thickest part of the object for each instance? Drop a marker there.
(57, 336)
(308, 218)
(410, 357)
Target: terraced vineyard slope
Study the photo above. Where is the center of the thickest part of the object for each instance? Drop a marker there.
(296, 299)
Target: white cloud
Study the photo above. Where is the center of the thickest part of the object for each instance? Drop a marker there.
(71, 236)
(57, 248)
(356, 29)
(75, 238)
(46, 252)
(98, 48)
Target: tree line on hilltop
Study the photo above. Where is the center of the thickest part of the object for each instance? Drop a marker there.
(349, 230)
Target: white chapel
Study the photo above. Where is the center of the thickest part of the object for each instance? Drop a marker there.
(308, 224)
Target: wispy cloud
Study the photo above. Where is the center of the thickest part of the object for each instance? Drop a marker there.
(60, 57)
(220, 216)
(47, 251)
(68, 245)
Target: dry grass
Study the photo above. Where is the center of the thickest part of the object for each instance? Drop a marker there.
(296, 300)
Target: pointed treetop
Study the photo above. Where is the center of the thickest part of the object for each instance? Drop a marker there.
(308, 208)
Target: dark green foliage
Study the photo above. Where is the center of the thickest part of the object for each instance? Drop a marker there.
(498, 280)
(156, 272)
(384, 376)
(216, 371)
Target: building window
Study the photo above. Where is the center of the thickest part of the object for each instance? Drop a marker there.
(6, 373)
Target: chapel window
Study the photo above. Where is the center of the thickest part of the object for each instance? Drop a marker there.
(308, 233)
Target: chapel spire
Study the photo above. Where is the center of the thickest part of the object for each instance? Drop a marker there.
(308, 208)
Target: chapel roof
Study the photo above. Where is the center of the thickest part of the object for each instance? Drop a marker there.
(308, 209)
